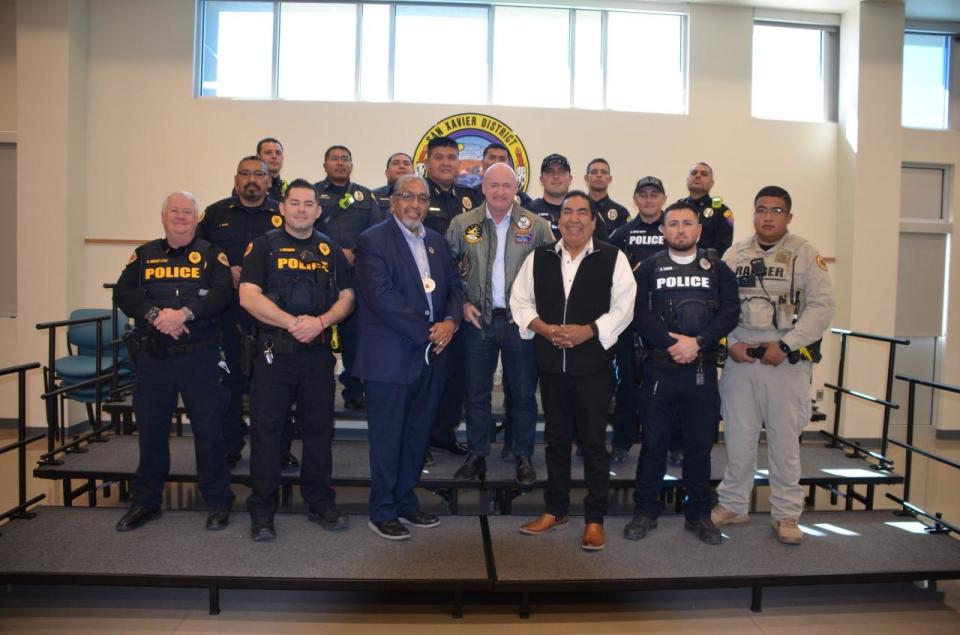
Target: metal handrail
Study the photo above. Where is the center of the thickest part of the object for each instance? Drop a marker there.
(840, 390)
(20, 510)
(911, 449)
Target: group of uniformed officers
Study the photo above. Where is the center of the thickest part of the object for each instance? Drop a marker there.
(253, 295)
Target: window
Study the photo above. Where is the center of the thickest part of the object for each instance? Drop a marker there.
(792, 72)
(925, 80)
(441, 53)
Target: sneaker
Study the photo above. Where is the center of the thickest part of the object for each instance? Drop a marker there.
(721, 516)
(420, 519)
(788, 530)
(705, 529)
(637, 528)
(330, 519)
(391, 530)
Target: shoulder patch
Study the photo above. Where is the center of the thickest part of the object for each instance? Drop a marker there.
(248, 249)
(821, 262)
(200, 216)
(133, 257)
(222, 257)
(727, 214)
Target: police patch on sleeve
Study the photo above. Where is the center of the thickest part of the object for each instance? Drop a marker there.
(467, 203)
(194, 257)
(821, 262)
(248, 249)
(203, 213)
(133, 257)
(324, 249)
(222, 257)
(473, 234)
(729, 216)
(277, 220)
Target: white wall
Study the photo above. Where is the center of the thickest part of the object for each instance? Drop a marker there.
(135, 132)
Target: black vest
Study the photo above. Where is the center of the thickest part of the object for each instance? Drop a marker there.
(685, 296)
(169, 279)
(301, 279)
(589, 299)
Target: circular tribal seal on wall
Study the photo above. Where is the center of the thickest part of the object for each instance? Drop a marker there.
(473, 132)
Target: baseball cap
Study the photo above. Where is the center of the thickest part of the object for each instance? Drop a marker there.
(554, 159)
(649, 180)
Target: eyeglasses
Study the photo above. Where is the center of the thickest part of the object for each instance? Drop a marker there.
(776, 211)
(339, 159)
(408, 197)
(246, 174)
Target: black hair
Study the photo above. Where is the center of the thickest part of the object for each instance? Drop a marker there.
(326, 155)
(775, 191)
(253, 157)
(597, 160)
(676, 206)
(496, 145)
(442, 142)
(268, 140)
(300, 183)
(581, 194)
(390, 158)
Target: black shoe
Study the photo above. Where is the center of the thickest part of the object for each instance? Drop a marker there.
(474, 468)
(637, 528)
(705, 530)
(420, 519)
(675, 458)
(355, 404)
(506, 453)
(330, 519)
(579, 451)
(429, 460)
(233, 457)
(218, 519)
(618, 456)
(288, 461)
(456, 448)
(262, 529)
(391, 530)
(136, 517)
(526, 475)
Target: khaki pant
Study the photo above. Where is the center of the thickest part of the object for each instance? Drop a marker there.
(779, 397)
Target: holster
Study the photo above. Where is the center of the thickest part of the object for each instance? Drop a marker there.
(639, 358)
(248, 349)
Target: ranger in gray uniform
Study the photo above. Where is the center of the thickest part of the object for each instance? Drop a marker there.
(786, 303)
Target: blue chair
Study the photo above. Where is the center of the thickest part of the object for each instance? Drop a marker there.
(81, 363)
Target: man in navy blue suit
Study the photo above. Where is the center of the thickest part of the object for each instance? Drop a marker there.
(409, 305)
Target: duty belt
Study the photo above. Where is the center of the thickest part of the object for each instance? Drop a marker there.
(151, 347)
(662, 359)
(282, 342)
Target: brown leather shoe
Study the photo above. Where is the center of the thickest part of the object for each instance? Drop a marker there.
(546, 522)
(593, 538)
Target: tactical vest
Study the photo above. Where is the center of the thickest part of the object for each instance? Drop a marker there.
(169, 280)
(771, 300)
(300, 279)
(684, 296)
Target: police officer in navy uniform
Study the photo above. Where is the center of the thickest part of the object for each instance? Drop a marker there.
(555, 178)
(398, 164)
(598, 178)
(495, 153)
(638, 239)
(270, 150)
(296, 283)
(686, 302)
(716, 219)
(231, 224)
(347, 209)
(447, 199)
(176, 289)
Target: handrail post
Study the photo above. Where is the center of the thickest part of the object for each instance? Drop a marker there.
(909, 458)
(888, 396)
(22, 434)
(97, 387)
(52, 403)
(838, 395)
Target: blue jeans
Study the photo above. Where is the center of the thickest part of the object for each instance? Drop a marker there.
(483, 348)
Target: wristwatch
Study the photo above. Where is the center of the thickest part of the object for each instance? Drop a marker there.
(784, 348)
(152, 314)
(596, 331)
(188, 314)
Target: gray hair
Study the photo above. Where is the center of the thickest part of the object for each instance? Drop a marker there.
(406, 178)
(185, 194)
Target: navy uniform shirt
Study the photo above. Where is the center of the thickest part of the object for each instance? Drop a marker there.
(348, 210)
(383, 194)
(614, 214)
(231, 226)
(717, 222)
(551, 213)
(444, 205)
(638, 239)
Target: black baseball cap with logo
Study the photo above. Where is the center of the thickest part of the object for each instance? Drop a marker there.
(649, 180)
(554, 159)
